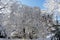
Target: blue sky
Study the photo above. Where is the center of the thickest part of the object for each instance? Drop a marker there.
(32, 3)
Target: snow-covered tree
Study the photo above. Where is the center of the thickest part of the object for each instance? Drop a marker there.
(17, 17)
(53, 6)
(5, 11)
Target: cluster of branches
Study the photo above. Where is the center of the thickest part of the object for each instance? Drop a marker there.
(17, 16)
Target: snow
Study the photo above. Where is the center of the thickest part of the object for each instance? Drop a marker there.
(50, 35)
